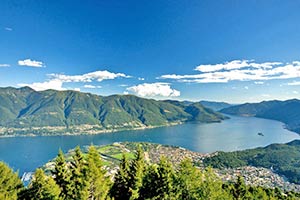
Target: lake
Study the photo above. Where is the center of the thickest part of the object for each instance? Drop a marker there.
(27, 153)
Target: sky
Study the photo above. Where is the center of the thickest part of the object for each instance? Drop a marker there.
(222, 50)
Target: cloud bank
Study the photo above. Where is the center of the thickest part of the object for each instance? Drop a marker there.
(153, 90)
(51, 84)
(57, 80)
(31, 63)
(239, 70)
(88, 77)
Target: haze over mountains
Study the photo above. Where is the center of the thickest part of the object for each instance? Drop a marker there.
(24, 110)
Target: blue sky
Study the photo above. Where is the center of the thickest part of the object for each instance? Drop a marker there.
(234, 51)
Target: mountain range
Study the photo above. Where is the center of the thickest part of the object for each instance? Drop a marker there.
(214, 105)
(287, 111)
(26, 111)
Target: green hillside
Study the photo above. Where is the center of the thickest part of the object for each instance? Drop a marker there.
(25, 111)
(282, 158)
(287, 112)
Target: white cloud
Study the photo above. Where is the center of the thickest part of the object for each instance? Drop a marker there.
(141, 79)
(8, 29)
(295, 92)
(52, 84)
(154, 90)
(240, 70)
(4, 65)
(246, 87)
(235, 64)
(31, 63)
(56, 81)
(294, 83)
(88, 77)
(259, 82)
(92, 86)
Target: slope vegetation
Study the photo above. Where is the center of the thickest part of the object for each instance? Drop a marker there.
(282, 158)
(25, 111)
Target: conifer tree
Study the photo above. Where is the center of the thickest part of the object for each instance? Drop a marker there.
(166, 179)
(120, 189)
(188, 181)
(211, 186)
(149, 189)
(99, 184)
(10, 184)
(78, 187)
(136, 173)
(62, 175)
(239, 189)
(42, 187)
(159, 181)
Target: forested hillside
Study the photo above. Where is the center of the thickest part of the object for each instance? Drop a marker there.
(25, 111)
(284, 159)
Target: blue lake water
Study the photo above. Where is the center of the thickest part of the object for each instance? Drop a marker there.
(27, 153)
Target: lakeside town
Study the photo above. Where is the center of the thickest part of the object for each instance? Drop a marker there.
(112, 154)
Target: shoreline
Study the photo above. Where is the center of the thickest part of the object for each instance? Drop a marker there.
(90, 133)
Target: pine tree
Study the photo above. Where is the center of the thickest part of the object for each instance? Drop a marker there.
(99, 184)
(136, 173)
(10, 184)
(211, 186)
(239, 189)
(61, 175)
(159, 182)
(78, 187)
(188, 181)
(42, 187)
(120, 189)
(149, 189)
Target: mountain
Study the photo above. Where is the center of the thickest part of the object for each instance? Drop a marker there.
(216, 106)
(284, 159)
(26, 111)
(287, 111)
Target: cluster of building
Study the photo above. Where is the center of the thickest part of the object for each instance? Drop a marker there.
(258, 176)
(252, 175)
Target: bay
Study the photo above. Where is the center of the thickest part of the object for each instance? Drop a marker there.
(237, 133)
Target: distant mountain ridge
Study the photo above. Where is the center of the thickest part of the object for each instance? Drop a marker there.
(214, 105)
(287, 111)
(26, 111)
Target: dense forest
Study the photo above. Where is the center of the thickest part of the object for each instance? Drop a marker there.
(84, 177)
